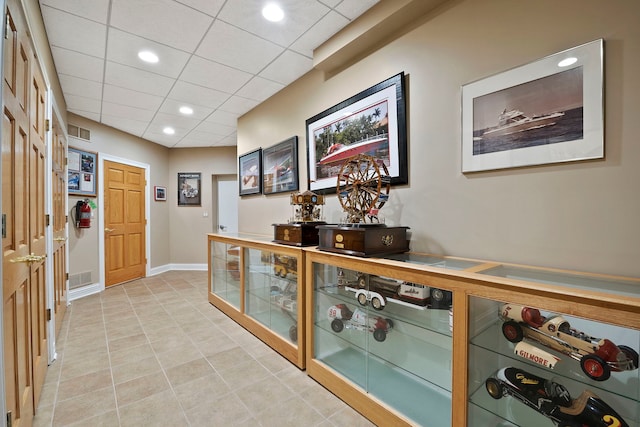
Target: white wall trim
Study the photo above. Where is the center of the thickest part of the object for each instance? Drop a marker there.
(84, 291)
(184, 267)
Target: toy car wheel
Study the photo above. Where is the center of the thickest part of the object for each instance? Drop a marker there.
(512, 331)
(631, 354)
(337, 325)
(293, 333)
(362, 299)
(389, 323)
(275, 289)
(376, 303)
(494, 388)
(595, 368)
(379, 335)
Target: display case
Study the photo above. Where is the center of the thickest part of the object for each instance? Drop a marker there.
(450, 360)
(259, 284)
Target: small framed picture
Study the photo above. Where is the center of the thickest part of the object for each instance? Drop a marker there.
(280, 167)
(82, 172)
(250, 171)
(189, 189)
(160, 193)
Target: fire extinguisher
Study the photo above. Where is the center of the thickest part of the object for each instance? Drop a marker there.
(83, 214)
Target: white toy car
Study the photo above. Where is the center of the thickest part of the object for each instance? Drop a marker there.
(342, 317)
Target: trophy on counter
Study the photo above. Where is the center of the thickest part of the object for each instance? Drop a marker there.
(306, 215)
(363, 189)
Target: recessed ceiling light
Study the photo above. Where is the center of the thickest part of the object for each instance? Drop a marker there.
(186, 110)
(272, 12)
(568, 61)
(148, 56)
(169, 130)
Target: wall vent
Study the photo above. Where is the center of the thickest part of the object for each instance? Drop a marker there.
(78, 132)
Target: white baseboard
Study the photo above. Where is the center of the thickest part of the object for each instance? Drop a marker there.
(84, 291)
(170, 267)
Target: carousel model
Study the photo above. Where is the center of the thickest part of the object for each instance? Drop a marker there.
(307, 214)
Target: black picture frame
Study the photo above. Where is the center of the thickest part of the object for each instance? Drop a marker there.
(250, 173)
(372, 122)
(280, 167)
(82, 172)
(189, 189)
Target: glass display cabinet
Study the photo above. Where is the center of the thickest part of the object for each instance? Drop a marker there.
(493, 344)
(259, 285)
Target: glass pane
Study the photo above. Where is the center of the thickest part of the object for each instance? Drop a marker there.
(225, 272)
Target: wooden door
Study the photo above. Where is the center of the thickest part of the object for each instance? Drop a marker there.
(59, 222)
(16, 214)
(124, 223)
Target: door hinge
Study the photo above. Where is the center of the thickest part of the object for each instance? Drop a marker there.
(66, 161)
(47, 125)
(48, 314)
(9, 419)
(66, 276)
(4, 226)
(47, 219)
(66, 219)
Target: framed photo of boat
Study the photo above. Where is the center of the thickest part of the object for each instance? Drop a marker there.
(372, 122)
(250, 172)
(280, 167)
(548, 111)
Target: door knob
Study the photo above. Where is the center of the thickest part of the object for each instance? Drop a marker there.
(223, 227)
(60, 239)
(109, 230)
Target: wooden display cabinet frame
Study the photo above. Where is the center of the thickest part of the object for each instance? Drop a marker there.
(295, 353)
(601, 306)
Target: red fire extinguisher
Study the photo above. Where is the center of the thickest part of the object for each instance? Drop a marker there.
(83, 214)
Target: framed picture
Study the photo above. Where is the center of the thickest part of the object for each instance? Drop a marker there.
(280, 167)
(372, 122)
(250, 171)
(189, 189)
(82, 170)
(548, 111)
(159, 193)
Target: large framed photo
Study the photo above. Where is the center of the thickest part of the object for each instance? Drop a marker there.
(373, 122)
(189, 192)
(250, 171)
(82, 169)
(280, 167)
(548, 111)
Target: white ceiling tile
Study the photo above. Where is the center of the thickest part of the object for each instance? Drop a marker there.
(78, 64)
(214, 128)
(259, 89)
(354, 8)
(287, 68)
(95, 10)
(162, 120)
(93, 116)
(300, 15)
(197, 95)
(170, 106)
(158, 137)
(134, 127)
(81, 87)
(224, 118)
(74, 33)
(132, 98)
(164, 21)
(238, 105)
(81, 103)
(223, 42)
(230, 140)
(123, 48)
(210, 7)
(138, 80)
(204, 138)
(213, 75)
(124, 111)
(330, 24)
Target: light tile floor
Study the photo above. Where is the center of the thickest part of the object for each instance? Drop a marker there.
(154, 352)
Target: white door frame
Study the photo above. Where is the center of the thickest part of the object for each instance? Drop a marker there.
(147, 211)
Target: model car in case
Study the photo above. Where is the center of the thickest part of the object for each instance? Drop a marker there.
(553, 400)
(343, 318)
(598, 357)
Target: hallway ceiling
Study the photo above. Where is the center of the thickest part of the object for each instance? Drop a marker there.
(221, 58)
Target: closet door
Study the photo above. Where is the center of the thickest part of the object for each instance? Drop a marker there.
(59, 220)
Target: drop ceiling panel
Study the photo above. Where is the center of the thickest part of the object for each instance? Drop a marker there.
(220, 57)
(164, 21)
(223, 42)
(123, 48)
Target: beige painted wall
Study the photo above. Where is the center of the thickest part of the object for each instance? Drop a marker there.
(580, 216)
(189, 225)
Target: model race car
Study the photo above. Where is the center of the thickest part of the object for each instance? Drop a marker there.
(342, 317)
(553, 400)
(598, 357)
